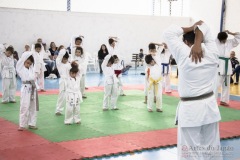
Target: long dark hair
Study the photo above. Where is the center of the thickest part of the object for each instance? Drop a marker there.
(101, 51)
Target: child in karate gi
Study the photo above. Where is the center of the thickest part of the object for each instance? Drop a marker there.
(8, 74)
(111, 84)
(29, 98)
(147, 72)
(165, 58)
(155, 78)
(117, 66)
(73, 96)
(113, 45)
(39, 65)
(79, 56)
(63, 67)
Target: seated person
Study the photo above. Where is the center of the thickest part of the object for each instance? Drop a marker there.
(235, 67)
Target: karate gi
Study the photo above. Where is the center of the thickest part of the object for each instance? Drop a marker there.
(165, 58)
(39, 68)
(113, 51)
(8, 74)
(224, 69)
(110, 85)
(119, 66)
(155, 83)
(63, 70)
(82, 62)
(147, 72)
(28, 101)
(197, 119)
(73, 99)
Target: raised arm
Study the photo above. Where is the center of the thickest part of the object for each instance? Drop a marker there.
(171, 38)
(59, 58)
(236, 40)
(105, 61)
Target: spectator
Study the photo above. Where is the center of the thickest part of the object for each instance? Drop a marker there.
(235, 66)
(53, 48)
(101, 55)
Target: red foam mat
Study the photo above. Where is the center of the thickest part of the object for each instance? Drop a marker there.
(27, 145)
(48, 151)
(116, 144)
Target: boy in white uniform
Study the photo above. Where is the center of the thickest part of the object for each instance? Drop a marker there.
(197, 112)
(63, 67)
(76, 41)
(165, 58)
(39, 65)
(155, 78)
(73, 96)
(29, 98)
(113, 42)
(110, 84)
(8, 74)
(224, 46)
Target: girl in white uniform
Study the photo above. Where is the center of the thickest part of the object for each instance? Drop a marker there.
(73, 96)
(63, 67)
(8, 74)
(29, 99)
(111, 84)
(80, 58)
(39, 65)
(117, 66)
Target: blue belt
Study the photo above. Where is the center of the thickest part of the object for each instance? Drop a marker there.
(163, 66)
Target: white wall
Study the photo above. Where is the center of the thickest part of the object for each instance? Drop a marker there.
(210, 12)
(233, 20)
(19, 27)
(207, 10)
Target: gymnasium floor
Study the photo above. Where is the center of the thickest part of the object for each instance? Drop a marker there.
(132, 79)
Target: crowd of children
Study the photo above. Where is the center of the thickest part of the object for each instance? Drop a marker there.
(72, 66)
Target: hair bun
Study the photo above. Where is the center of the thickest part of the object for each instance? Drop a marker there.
(74, 64)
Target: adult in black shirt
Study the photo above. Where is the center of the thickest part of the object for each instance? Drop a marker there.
(101, 55)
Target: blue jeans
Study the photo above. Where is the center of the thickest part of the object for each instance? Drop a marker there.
(237, 71)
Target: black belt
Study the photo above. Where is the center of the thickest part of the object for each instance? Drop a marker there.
(204, 96)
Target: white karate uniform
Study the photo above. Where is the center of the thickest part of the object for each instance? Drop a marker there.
(73, 100)
(146, 80)
(40, 68)
(82, 62)
(197, 119)
(113, 51)
(110, 85)
(224, 51)
(8, 74)
(155, 83)
(119, 66)
(63, 70)
(166, 69)
(28, 110)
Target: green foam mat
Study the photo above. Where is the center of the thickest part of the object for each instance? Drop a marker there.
(132, 116)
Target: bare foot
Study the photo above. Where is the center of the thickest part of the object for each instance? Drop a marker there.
(21, 129)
